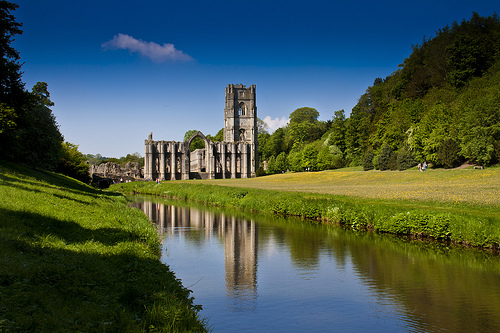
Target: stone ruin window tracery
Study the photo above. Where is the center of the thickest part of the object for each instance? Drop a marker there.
(241, 109)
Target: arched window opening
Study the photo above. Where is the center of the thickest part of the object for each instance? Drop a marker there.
(241, 109)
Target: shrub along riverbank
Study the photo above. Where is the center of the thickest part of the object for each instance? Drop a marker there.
(374, 206)
(73, 258)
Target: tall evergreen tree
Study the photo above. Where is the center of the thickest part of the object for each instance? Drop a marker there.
(11, 86)
(12, 94)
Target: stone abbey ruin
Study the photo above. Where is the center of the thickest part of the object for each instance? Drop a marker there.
(235, 157)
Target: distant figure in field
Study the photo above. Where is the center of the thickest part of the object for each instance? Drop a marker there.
(425, 166)
(420, 167)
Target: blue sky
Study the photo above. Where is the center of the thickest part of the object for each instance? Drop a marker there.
(118, 70)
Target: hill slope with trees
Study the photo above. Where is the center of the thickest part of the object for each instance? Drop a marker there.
(442, 105)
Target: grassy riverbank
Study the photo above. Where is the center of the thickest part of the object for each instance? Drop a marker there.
(462, 206)
(73, 258)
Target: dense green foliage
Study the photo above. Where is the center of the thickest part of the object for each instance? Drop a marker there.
(73, 163)
(76, 259)
(478, 227)
(440, 106)
(300, 146)
(29, 132)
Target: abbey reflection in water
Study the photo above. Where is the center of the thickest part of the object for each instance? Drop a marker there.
(433, 287)
(239, 237)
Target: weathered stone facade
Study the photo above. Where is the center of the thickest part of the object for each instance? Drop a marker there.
(107, 173)
(236, 157)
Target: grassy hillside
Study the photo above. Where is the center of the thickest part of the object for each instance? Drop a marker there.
(73, 258)
(460, 205)
(441, 185)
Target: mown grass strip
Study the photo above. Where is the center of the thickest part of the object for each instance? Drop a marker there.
(73, 258)
(463, 222)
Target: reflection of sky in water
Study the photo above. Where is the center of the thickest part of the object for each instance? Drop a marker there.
(253, 275)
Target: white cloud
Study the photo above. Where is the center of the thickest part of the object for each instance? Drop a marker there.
(275, 123)
(155, 52)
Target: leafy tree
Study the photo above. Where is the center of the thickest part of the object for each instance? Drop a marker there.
(325, 159)
(310, 157)
(478, 146)
(218, 137)
(404, 159)
(465, 60)
(338, 130)
(39, 134)
(295, 160)
(274, 144)
(299, 133)
(7, 118)
(386, 159)
(368, 160)
(448, 154)
(73, 163)
(282, 162)
(304, 115)
(262, 139)
(358, 129)
(474, 48)
(271, 165)
(262, 127)
(304, 127)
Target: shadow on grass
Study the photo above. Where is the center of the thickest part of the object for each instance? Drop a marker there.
(52, 180)
(44, 288)
(39, 226)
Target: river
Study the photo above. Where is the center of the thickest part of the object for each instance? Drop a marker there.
(256, 273)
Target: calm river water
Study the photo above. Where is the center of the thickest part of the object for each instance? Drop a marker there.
(254, 273)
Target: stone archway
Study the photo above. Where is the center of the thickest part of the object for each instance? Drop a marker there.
(200, 162)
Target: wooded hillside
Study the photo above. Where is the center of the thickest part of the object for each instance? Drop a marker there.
(442, 105)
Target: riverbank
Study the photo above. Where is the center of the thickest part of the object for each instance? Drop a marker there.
(460, 206)
(73, 258)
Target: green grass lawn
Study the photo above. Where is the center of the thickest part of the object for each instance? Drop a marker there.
(451, 186)
(73, 258)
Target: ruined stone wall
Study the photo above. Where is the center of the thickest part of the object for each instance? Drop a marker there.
(114, 171)
(236, 157)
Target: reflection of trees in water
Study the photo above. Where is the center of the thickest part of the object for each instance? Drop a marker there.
(437, 287)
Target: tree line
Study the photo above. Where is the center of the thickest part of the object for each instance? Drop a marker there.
(440, 106)
(29, 132)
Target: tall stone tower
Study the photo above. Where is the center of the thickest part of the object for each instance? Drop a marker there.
(240, 114)
(235, 157)
(240, 119)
